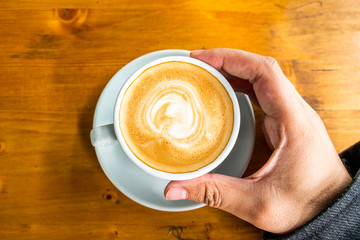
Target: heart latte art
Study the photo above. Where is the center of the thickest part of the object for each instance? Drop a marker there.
(176, 117)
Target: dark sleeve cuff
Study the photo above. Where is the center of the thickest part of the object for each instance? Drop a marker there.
(351, 159)
(341, 220)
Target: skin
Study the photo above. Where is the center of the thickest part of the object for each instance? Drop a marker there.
(303, 175)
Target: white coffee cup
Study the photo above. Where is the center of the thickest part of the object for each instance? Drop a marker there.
(108, 134)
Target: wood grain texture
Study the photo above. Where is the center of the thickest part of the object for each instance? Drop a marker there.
(57, 56)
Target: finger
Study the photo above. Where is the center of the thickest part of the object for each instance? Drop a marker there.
(231, 194)
(275, 94)
(241, 85)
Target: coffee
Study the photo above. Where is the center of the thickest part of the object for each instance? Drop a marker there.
(176, 117)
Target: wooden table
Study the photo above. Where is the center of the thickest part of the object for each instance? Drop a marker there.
(56, 58)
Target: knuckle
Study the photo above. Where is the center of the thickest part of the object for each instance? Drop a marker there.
(267, 66)
(212, 195)
(270, 61)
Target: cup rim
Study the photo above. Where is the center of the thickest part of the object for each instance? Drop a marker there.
(188, 175)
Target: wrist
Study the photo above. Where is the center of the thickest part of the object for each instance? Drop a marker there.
(324, 194)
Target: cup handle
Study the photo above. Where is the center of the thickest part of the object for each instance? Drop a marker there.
(103, 135)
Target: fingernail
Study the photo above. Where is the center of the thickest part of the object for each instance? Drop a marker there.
(196, 53)
(176, 193)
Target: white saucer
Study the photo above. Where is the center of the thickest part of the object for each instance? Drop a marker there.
(137, 184)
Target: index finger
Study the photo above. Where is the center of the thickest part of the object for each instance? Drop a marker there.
(273, 91)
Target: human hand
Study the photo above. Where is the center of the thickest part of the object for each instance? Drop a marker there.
(304, 173)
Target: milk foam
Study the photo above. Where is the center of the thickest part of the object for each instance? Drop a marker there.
(173, 109)
(176, 117)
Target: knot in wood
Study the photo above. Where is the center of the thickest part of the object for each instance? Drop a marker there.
(111, 196)
(72, 20)
(67, 14)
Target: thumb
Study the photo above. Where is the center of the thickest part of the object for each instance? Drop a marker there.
(231, 194)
